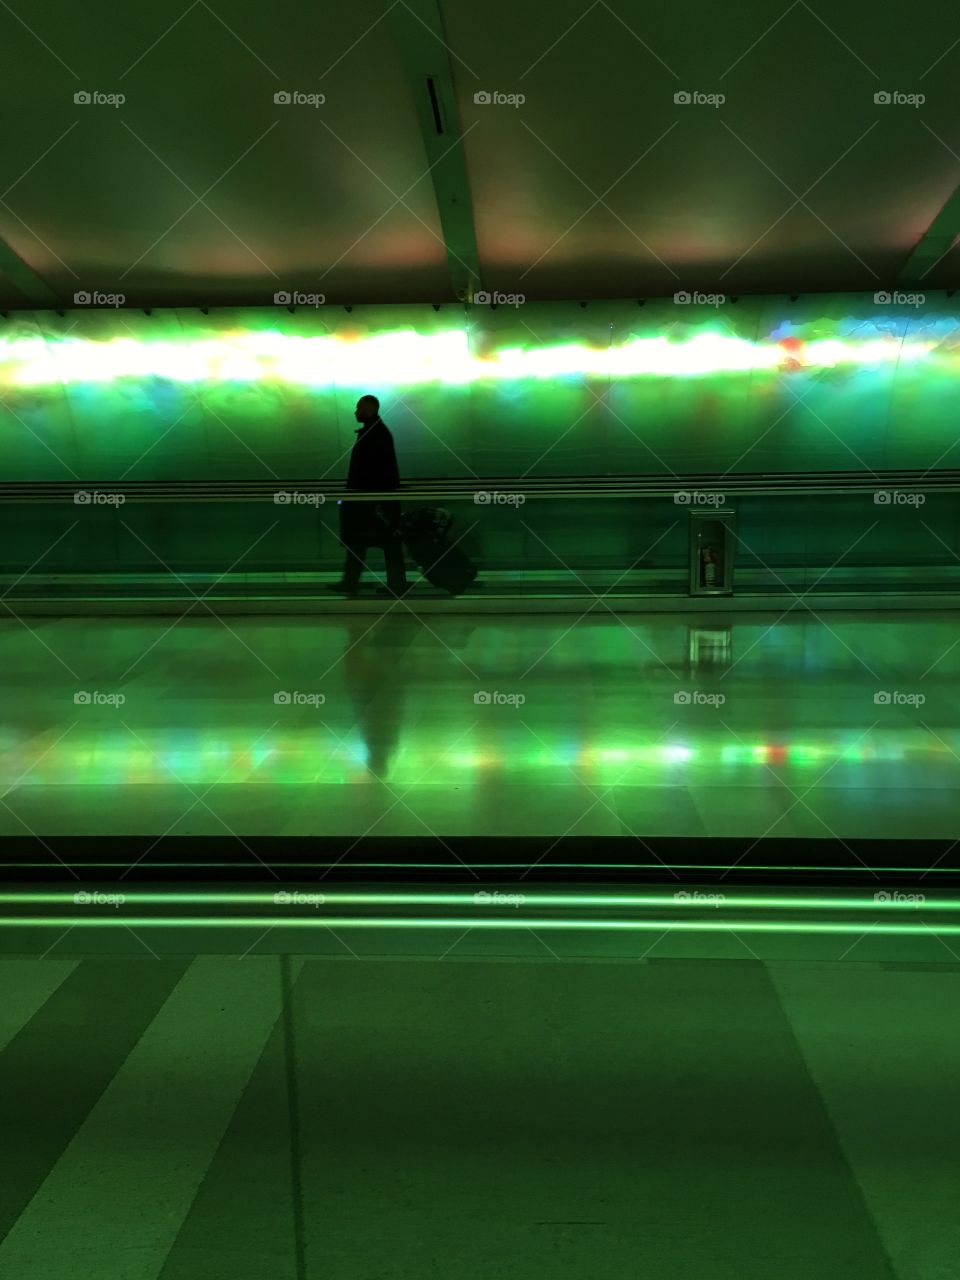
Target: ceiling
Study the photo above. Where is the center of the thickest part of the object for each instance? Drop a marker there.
(200, 189)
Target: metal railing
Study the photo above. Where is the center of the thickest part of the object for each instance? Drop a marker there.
(659, 486)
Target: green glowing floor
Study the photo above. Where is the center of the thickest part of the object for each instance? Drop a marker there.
(397, 725)
(415, 1118)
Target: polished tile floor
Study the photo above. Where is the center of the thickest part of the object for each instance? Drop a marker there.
(293, 1117)
(744, 725)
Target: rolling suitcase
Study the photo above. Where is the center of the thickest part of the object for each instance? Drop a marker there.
(443, 565)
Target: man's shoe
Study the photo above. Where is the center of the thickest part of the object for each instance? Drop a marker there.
(389, 591)
(342, 589)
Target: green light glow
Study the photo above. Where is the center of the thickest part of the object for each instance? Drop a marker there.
(300, 866)
(459, 922)
(737, 901)
(252, 392)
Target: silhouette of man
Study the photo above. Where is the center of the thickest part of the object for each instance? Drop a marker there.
(373, 467)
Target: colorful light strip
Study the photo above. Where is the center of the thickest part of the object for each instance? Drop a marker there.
(406, 357)
(298, 758)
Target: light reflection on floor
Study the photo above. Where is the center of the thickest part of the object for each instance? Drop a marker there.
(655, 725)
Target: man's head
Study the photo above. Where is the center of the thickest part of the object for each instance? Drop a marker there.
(368, 409)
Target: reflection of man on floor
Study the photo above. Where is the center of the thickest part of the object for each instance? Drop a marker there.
(374, 675)
(373, 466)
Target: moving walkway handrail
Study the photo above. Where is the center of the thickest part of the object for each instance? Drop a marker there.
(428, 489)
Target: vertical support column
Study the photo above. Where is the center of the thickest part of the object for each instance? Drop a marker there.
(37, 294)
(426, 57)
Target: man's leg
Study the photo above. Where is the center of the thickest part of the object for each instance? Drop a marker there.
(396, 571)
(353, 565)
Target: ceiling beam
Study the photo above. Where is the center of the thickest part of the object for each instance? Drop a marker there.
(934, 243)
(426, 59)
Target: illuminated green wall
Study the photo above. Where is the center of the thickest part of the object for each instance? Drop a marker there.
(829, 382)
